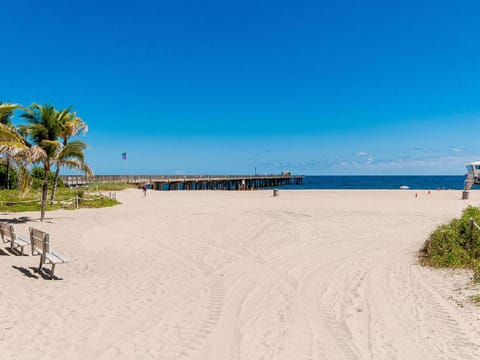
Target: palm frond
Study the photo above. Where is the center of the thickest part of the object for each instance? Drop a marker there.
(37, 153)
(78, 143)
(77, 165)
(8, 107)
(24, 179)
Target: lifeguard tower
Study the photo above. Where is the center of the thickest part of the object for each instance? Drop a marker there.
(472, 177)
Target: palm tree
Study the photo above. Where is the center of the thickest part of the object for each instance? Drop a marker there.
(14, 147)
(6, 119)
(43, 129)
(71, 156)
(71, 153)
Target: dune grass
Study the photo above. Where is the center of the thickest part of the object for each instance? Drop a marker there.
(455, 245)
(475, 299)
(98, 186)
(64, 199)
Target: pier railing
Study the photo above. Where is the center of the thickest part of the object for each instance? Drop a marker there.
(190, 182)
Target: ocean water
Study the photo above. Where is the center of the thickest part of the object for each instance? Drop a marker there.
(447, 182)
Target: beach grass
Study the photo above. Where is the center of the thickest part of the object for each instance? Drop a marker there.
(66, 198)
(455, 245)
(475, 299)
(98, 186)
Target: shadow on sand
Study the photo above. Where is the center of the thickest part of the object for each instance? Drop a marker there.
(33, 272)
(19, 220)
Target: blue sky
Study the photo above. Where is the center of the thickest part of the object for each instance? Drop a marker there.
(219, 87)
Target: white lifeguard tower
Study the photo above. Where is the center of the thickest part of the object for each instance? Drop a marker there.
(472, 177)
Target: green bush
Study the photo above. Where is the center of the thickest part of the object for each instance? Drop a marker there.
(454, 244)
(38, 174)
(475, 299)
(476, 271)
(12, 177)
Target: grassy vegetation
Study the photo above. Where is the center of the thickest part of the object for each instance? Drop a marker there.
(64, 199)
(475, 299)
(110, 186)
(455, 245)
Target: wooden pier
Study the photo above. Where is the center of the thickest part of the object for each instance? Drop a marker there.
(189, 182)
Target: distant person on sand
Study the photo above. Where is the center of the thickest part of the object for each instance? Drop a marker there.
(144, 190)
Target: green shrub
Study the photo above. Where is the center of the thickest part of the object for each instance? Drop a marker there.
(475, 299)
(454, 244)
(81, 195)
(12, 177)
(476, 271)
(38, 174)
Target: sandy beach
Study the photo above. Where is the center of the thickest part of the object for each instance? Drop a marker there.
(241, 275)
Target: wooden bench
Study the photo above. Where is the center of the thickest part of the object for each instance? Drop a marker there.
(40, 242)
(8, 235)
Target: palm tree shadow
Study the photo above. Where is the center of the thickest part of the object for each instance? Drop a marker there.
(19, 220)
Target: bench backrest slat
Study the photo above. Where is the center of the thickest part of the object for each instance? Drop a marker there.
(3, 227)
(4, 232)
(40, 241)
(7, 232)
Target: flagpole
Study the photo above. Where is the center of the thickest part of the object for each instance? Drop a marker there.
(124, 158)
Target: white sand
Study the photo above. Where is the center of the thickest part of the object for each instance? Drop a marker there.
(242, 275)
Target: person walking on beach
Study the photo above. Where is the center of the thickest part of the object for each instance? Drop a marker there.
(144, 190)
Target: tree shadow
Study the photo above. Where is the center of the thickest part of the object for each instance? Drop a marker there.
(19, 220)
(25, 219)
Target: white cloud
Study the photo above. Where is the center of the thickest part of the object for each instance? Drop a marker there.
(363, 153)
(439, 164)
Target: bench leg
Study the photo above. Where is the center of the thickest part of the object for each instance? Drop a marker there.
(53, 270)
(41, 263)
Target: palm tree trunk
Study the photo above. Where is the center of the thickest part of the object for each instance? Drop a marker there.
(54, 188)
(44, 191)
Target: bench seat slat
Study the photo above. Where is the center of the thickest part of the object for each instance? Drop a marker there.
(57, 257)
(21, 242)
(52, 259)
